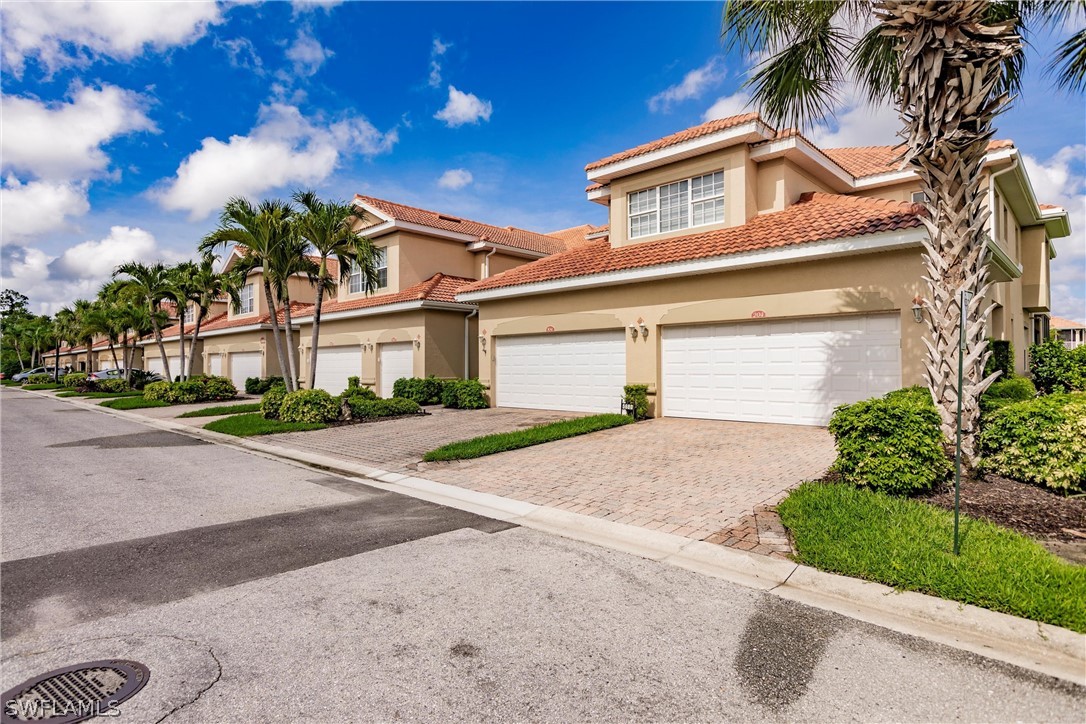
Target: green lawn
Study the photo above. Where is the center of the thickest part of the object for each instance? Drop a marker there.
(9, 383)
(100, 395)
(255, 424)
(908, 545)
(133, 403)
(489, 444)
(223, 410)
(46, 386)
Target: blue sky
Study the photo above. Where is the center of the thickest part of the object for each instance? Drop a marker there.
(127, 126)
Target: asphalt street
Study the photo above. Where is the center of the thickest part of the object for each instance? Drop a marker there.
(255, 589)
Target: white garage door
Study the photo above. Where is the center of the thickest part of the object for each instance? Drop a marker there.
(335, 365)
(154, 364)
(106, 364)
(577, 371)
(214, 365)
(244, 365)
(793, 371)
(396, 360)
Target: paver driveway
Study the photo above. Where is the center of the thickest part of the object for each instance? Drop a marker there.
(693, 478)
(396, 444)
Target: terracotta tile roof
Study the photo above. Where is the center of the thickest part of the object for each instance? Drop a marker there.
(508, 236)
(223, 321)
(592, 187)
(863, 161)
(575, 236)
(333, 264)
(816, 217)
(676, 138)
(1049, 206)
(438, 288)
(1061, 323)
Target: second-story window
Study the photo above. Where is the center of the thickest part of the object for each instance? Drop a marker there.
(380, 260)
(245, 294)
(190, 314)
(690, 202)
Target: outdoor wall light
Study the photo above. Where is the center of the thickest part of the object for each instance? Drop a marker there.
(918, 309)
(644, 331)
(482, 341)
(633, 331)
(418, 344)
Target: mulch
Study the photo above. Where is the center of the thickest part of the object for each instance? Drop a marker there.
(1025, 508)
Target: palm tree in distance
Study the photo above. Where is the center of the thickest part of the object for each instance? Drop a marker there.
(291, 260)
(329, 228)
(210, 286)
(950, 68)
(151, 284)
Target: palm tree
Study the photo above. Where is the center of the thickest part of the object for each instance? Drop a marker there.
(950, 68)
(290, 260)
(260, 232)
(100, 320)
(38, 333)
(183, 287)
(329, 228)
(151, 284)
(209, 286)
(64, 329)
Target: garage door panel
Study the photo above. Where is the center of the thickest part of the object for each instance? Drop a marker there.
(214, 364)
(335, 365)
(396, 360)
(244, 365)
(793, 371)
(578, 371)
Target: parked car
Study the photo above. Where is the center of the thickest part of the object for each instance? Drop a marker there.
(114, 374)
(22, 376)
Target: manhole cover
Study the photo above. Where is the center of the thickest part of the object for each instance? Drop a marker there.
(75, 693)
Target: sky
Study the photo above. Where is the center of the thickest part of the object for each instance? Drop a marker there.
(127, 125)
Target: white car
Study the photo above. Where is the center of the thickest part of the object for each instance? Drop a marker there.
(114, 374)
(22, 376)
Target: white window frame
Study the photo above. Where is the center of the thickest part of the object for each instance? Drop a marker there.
(247, 299)
(190, 314)
(380, 259)
(646, 220)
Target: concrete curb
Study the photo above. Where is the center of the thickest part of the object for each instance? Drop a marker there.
(1038, 647)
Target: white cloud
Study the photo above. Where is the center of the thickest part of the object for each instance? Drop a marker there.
(63, 141)
(242, 54)
(61, 34)
(303, 6)
(284, 148)
(693, 85)
(455, 179)
(857, 123)
(463, 108)
(1061, 180)
(96, 259)
(436, 51)
(726, 106)
(38, 207)
(307, 54)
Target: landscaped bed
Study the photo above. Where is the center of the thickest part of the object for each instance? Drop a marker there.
(223, 410)
(47, 386)
(256, 424)
(503, 441)
(908, 544)
(133, 403)
(100, 395)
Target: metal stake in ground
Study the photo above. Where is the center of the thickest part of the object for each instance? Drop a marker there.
(963, 308)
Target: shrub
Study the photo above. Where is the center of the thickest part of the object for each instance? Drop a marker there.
(1002, 358)
(423, 390)
(157, 391)
(638, 396)
(353, 382)
(1040, 441)
(309, 406)
(40, 379)
(893, 444)
(217, 388)
(363, 408)
(260, 385)
(358, 392)
(271, 401)
(1005, 391)
(464, 395)
(140, 379)
(111, 386)
(1055, 368)
(74, 379)
(185, 393)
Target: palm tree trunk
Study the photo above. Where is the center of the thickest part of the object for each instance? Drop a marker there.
(181, 347)
(195, 336)
(56, 363)
(275, 334)
(288, 332)
(950, 67)
(161, 349)
(113, 353)
(316, 332)
(15, 344)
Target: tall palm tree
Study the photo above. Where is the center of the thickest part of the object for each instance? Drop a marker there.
(210, 286)
(329, 228)
(950, 68)
(291, 260)
(85, 329)
(183, 287)
(101, 321)
(259, 231)
(64, 329)
(151, 284)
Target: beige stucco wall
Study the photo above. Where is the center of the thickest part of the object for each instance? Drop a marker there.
(740, 197)
(173, 349)
(868, 283)
(252, 341)
(779, 185)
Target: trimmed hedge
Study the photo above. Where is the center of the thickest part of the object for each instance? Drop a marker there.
(1006, 391)
(260, 385)
(40, 379)
(893, 443)
(365, 409)
(74, 379)
(1055, 368)
(110, 386)
(310, 406)
(194, 389)
(638, 396)
(464, 395)
(1040, 441)
(423, 390)
(354, 382)
(1002, 358)
(271, 401)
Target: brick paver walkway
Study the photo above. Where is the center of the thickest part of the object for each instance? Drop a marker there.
(696, 478)
(396, 445)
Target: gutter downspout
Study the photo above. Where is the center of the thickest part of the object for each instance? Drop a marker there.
(486, 262)
(991, 196)
(467, 341)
